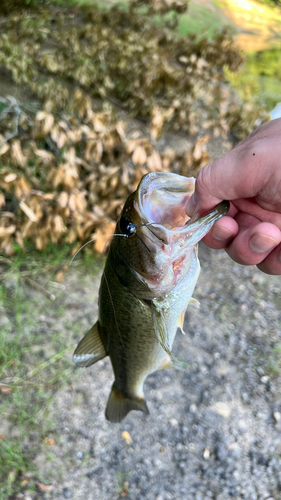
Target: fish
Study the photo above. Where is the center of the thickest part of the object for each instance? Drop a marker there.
(147, 284)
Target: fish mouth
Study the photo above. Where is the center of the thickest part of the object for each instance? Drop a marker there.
(162, 199)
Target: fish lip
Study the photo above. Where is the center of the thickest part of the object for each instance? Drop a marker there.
(194, 228)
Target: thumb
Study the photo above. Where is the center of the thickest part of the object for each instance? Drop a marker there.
(227, 178)
(210, 189)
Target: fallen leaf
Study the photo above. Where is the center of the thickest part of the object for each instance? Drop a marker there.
(4, 148)
(60, 276)
(127, 437)
(10, 177)
(125, 489)
(30, 214)
(5, 389)
(139, 156)
(102, 236)
(49, 441)
(44, 487)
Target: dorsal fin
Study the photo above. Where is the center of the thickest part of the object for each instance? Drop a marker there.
(90, 349)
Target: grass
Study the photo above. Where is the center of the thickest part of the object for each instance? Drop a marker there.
(201, 21)
(260, 77)
(34, 358)
(273, 364)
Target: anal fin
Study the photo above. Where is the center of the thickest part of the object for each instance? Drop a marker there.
(90, 349)
(194, 302)
(180, 322)
(118, 406)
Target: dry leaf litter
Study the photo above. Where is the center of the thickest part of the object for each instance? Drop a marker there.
(68, 159)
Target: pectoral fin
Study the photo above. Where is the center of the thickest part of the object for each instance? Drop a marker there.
(160, 329)
(193, 302)
(90, 349)
(163, 339)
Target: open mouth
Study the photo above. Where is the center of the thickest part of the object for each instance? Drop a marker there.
(163, 200)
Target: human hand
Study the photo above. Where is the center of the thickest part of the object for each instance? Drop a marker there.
(250, 177)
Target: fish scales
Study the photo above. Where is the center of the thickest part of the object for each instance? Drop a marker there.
(119, 316)
(146, 286)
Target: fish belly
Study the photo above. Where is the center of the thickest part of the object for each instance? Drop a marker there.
(173, 304)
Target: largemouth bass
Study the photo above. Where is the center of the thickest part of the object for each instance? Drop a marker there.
(146, 286)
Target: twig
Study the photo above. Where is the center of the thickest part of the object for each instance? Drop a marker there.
(45, 364)
(16, 128)
(15, 380)
(6, 261)
(33, 283)
(13, 108)
(52, 146)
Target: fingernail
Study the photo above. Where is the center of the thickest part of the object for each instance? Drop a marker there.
(260, 243)
(221, 233)
(190, 206)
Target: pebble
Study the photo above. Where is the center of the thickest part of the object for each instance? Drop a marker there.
(67, 493)
(222, 409)
(174, 422)
(277, 416)
(193, 408)
(206, 454)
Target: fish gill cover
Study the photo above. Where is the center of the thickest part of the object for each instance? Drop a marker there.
(71, 149)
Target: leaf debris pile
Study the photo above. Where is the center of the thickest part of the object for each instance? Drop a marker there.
(68, 161)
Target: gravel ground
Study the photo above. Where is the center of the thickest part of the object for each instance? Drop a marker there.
(212, 433)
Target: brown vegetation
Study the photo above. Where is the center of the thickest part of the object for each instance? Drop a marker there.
(68, 159)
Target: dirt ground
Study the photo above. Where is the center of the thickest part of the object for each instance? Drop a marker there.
(213, 432)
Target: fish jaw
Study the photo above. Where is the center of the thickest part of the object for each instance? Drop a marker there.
(158, 253)
(168, 232)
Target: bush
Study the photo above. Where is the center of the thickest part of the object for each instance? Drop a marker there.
(8, 6)
(67, 161)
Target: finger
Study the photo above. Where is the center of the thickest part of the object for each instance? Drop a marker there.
(245, 220)
(252, 245)
(241, 173)
(221, 233)
(249, 206)
(272, 263)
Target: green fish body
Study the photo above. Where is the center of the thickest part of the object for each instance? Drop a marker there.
(146, 286)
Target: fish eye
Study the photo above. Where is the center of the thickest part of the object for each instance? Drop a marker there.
(127, 227)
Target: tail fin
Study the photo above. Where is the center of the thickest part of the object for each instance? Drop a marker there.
(119, 405)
